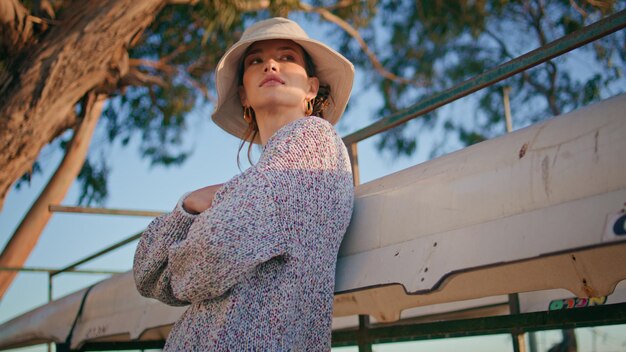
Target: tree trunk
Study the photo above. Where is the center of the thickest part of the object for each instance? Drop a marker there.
(27, 234)
(86, 51)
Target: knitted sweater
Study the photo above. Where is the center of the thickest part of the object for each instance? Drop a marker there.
(258, 266)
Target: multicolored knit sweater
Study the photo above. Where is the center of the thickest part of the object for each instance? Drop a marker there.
(258, 266)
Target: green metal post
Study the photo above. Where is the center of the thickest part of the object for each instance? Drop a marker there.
(517, 335)
(364, 343)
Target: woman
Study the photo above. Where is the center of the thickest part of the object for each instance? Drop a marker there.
(255, 258)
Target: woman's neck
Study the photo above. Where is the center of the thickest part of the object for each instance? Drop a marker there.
(271, 120)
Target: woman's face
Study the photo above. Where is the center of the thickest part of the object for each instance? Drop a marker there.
(274, 76)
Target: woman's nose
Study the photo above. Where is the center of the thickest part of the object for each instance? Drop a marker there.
(271, 65)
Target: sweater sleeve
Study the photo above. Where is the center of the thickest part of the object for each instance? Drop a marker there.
(150, 262)
(223, 246)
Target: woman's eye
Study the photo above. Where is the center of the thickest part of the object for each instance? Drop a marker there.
(287, 58)
(254, 61)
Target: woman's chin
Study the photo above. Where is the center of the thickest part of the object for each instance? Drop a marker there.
(278, 102)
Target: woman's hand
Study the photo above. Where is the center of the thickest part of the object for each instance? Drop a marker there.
(201, 199)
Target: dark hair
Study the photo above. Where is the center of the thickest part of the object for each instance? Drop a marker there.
(320, 102)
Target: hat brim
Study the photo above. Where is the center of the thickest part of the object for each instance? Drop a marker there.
(332, 69)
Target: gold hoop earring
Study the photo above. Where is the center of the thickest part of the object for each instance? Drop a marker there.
(248, 114)
(309, 108)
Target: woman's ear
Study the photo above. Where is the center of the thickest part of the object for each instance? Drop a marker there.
(314, 86)
(242, 96)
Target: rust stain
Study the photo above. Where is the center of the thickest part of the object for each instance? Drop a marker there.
(522, 151)
(589, 291)
(545, 175)
(556, 155)
(345, 299)
(596, 156)
(586, 287)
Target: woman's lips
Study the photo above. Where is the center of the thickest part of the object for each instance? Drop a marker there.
(271, 80)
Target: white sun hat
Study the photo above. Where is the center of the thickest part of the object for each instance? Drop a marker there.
(331, 68)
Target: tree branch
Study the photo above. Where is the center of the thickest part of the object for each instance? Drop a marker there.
(500, 42)
(26, 235)
(601, 4)
(157, 64)
(15, 26)
(549, 93)
(538, 15)
(329, 16)
(44, 8)
(182, 2)
(181, 48)
(578, 9)
(134, 77)
(137, 77)
(73, 58)
(340, 5)
(541, 89)
(251, 6)
(553, 74)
